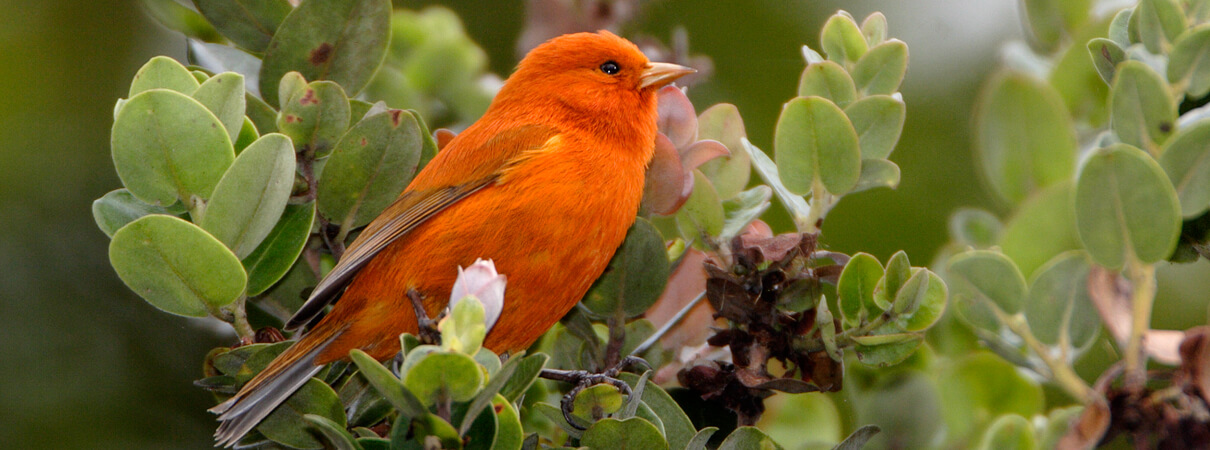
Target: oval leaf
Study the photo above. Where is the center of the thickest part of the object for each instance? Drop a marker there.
(162, 72)
(635, 277)
(1160, 22)
(856, 288)
(930, 305)
(728, 174)
(842, 40)
(877, 173)
(118, 208)
(280, 249)
(702, 215)
(1106, 55)
(313, 398)
(250, 198)
(223, 95)
(881, 70)
(1189, 61)
(828, 80)
(444, 375)
(315, 117)
(342, 41)
(1025, 138)
(167, 146)
(176, 266)
(974, 227)
(1186, 160)
(878, 120)
(370, 167)
(1044, 225)
(632, 433)
(248, 23)
(814, 139)
(1125, 205)
(1060, 311)
(984, 274)
(1142, 111)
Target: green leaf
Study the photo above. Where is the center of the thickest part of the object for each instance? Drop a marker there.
(769, 173)
(826, 324)
(1125, 205)
(342, 41)
(429, 150)
(842, 40)
(247, 135)
(336, 433)
(596, 402)
(828, 80)
(176, 16)
(366, 406)
(555, 415)
(1009, 432)
(279, 250)
(858, 439)
(260, 113)
(251, 196)
(1024, 135)
(371, 165)
(911, 294)
(1189, 61)
(248, 23)
(929, 306)
(1106, 55)
(632, 433)
(315, 117)
(167, 146)
(881, 70)
(980, 387)
(748, 438)
(490, 391)
(975, 227)
(386, 383)
(635, 277)
(873, 28)
(432, 425)
(223, 95)
(1119, 31)
(898, 270)
(678, 429)
(1142, 111)
(1186, 160)
(118, 208)
(1044, 225)
(292, 85)
(877, 173)
(1160, 22)
(728, 174)
(700, 439)
(524, 377)
(162, 72)
(988, 275)
(1045, 22)
(1059, 310)
(314, 398)
(741, 210)
(856, 289)
(509, 433)
(814, 140)
(176, 266)
(887, 355)
(702, 215)
(440, 375)
(878, 120)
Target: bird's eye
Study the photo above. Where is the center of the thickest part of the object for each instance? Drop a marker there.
(610, 68)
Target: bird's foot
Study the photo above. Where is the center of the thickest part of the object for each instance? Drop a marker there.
(583, 379)
(428, 333)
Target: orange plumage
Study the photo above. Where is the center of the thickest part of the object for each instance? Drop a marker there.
(545, 184)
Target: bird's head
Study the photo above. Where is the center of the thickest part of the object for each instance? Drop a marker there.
(593, 73)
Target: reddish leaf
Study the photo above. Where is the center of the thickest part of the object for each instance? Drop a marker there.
(667, 185)
(701, 151)
(677, 119)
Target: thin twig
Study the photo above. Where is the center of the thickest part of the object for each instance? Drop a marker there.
(676, 319)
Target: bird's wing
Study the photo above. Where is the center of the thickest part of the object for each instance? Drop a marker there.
(418, 205)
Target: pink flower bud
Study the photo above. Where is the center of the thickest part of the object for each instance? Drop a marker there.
(481, 281)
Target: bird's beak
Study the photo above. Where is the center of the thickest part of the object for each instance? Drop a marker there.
(660, 74)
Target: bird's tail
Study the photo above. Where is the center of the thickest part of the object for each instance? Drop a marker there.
(261, 395)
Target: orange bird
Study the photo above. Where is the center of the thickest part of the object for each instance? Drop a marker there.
(545, 184)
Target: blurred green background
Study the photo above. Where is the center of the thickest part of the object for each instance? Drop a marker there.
(87, 364)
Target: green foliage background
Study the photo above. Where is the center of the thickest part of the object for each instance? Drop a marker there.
(86, 364)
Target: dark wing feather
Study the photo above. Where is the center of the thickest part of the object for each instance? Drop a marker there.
(412, 209)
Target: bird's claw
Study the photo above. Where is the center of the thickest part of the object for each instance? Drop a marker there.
(428, 332)
(583, 379)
